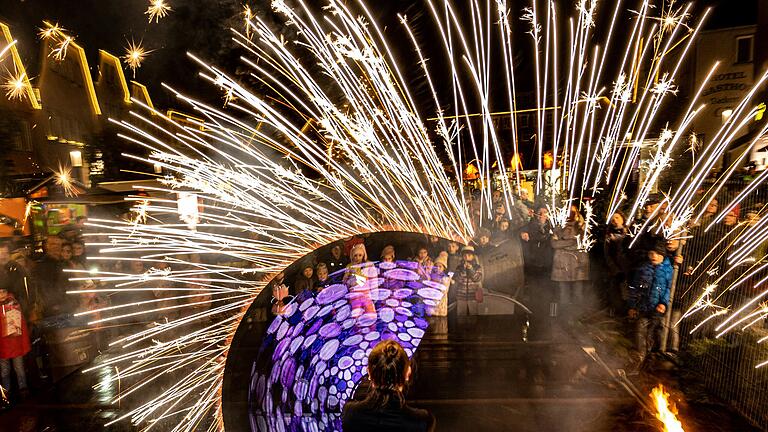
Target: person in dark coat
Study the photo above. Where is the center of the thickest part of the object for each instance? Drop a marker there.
(15, 279)
(434, 246)
(336, 260)
(305, 281)
(649, 237)
(323, 281)
(483, 244)
(536, 237)
(454, 257)
(383, 408)
(649, 298)
(616, 262)
(49, 277)
(537, 244)
(502, 233)
(505, 271)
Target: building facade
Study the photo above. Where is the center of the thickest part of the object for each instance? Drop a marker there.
(61, 119)
(734, 49)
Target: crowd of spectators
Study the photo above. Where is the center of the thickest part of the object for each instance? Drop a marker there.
(42, 296)
(627, 276)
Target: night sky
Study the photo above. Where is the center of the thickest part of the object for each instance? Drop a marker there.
(200, 26)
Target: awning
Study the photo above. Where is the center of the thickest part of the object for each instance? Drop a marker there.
(130, 186)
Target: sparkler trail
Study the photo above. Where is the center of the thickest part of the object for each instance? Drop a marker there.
(56, 34)
(157, 9)
(135, 54)
(15, 87)
(270, 193)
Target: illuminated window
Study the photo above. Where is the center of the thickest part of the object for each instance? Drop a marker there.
(744, 46)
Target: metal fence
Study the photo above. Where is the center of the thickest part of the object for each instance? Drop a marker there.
(727, 364)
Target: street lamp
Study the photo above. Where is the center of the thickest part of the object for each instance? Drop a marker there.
(726, 114)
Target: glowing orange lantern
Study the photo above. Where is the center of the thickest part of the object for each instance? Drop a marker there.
(471, 172)
(548, 160)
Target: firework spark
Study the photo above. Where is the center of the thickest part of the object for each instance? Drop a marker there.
(157, 9)
(247, 16)
(63, 178)
(56, 35)
(50, 31)
(15, 87)
(135, 54)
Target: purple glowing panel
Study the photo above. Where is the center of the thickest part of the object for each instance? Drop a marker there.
(274, 325)
(306, 303)
(386, 315)
(332, 293)
(379, 294)
(310, 312)
(431, 293)
(402, 274)
(314, 355)
(403, 293)
(353, 340)
(343, 313)
(330, 330)
(387, 265)
(329, 349)
(404, 311)
(392, 302)
(366, 320)
(345, 362)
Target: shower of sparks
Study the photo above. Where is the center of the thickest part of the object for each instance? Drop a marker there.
(63, 178)
(56, 35)
(247, 16)
(135, 54)
(256, 204)
(15, 87)
(157, 9)
(50, 31)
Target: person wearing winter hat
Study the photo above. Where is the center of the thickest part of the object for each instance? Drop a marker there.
(649, 299)
(442, 259)
(440, 274)
(305, 281)
(358, 273)
(483, 242)
(388, 254)
(732, 217)
(424, 261)
(469, 283)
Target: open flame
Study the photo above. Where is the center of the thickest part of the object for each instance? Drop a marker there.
(666, 412)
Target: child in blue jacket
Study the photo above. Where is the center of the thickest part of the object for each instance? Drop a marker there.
(649, 298)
